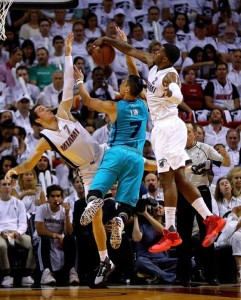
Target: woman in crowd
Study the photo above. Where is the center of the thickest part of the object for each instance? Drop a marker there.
(234, 176)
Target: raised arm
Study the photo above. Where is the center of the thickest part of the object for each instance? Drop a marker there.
(67, 97)
(30, 163)
(127, 49)
(105, 106)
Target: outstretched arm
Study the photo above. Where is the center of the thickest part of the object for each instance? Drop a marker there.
(67, 97)
(106, 106)
(127, 49)
(30, 163)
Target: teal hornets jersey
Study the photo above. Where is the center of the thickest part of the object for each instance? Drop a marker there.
(129, 128)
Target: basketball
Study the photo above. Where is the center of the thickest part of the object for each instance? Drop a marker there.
(103, 55)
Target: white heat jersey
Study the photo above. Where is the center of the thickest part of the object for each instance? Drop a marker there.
(158, 103)
(73, 143)
(223, 95)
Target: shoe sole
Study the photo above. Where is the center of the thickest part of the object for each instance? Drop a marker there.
(89, 213)
(213, 236)
(174, 244)
(115, 237)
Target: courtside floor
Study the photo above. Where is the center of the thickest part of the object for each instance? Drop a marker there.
(144, 292)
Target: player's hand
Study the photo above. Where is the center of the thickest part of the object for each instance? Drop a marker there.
(78, 75)
(121, 34)
(99, 42)
(10, 173)
(68, 44)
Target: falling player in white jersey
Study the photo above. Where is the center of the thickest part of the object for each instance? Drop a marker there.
(169, 138)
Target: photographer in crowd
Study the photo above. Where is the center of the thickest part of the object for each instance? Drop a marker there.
(146, 232)
(202, 156)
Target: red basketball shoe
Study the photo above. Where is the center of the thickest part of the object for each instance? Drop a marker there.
(214, 225)
(169, 239)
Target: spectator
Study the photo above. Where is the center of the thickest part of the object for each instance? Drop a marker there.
(13, 227)
(181, 25)
(4, 55)
(153, 29)
(60, 26)
(146, 233)
(200, 134)
(44, 38)
(101, 135)
(29, 53)
(53, 223)
(79, 192)
(79, 42)
(153, 189)
(121, 20)
(57, 57)
(41, 73)
(105, 14)
(215, 132)
(234, 177)
(91, 26)
(6, 68)
(31, 27)
(8, 143)
(32, 90)
(234, 74)
(221, 93)
(233, 149)
(51, 92)
(23, 150)
(21, 115)
(137, 37)
(6, 163)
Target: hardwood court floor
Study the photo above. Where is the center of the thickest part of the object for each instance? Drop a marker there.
(157, 292)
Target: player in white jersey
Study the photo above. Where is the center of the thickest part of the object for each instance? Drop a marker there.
(169, 138)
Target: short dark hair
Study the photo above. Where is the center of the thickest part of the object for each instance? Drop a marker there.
(57, 37)
(136, 85)
(172, 52)
(194, 125)
(33, 116)
(52, 188)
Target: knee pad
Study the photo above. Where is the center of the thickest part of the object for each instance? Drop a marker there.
(94, 194)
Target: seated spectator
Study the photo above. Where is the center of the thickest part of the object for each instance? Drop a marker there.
(233, 149)
(234, 74)
(23, 151)
(13, 226)
(51, 92)
(210, 54)
(44, 172)
(224, 17)
(31, 27)
(57, 57)
(105, 14)
(4, 55)
(101, 135)
(181, 25)
(32, 90)
(153, 190)
(193, 96)
(28, 191)
(29, 53)
(57, 248)
(44, 38)
(12, 41)
(6, 163)
(8, 143)
(91, 26)
(153, 28)
(6, 75)
(41, 73)
(79, 42)
(6, 115)
(220, 92)
(21, 115)
(33, 137)
(60, 26)
(234, 177)
(79, 192)
(137, 37)
(215, 132)
(5, 99)
(146, 232)
(229, 43)
(200, 133)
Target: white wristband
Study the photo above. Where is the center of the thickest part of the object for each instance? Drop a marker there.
(79, 81)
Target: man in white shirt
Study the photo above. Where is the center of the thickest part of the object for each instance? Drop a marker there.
(60, 26)
(21, 117)
(215, 133)
(233, 149)
(13, 226)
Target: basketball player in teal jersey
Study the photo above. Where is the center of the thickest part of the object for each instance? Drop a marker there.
(122, 163)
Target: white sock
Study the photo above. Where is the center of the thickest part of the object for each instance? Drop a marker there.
(170, 217)
(103, 255)
(201, 208)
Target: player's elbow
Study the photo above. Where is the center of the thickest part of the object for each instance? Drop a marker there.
(177, 96)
